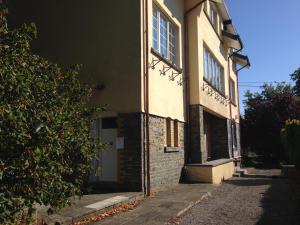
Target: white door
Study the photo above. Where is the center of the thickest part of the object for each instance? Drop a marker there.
(105, 167)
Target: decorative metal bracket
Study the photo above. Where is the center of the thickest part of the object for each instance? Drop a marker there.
(154, 63)
(174, 75)
(181, 81)
(215, 94)
(164, 70)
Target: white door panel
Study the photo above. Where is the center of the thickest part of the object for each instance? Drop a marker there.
(105, 167)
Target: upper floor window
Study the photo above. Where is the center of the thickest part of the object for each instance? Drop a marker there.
(213, 71)
(213, 15)
(164, 35)
(232, 91)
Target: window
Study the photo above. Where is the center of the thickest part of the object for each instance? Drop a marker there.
(171, 133)
(213, 71)
(109, 123)
(176, 137)
(164, 35)
(232, 91)
(234, 136)
(213, 16)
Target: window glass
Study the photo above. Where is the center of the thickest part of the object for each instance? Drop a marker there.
(172, 42)
(109, 123)
(213, 17)
(164, 35)
(213, 71)
(155, 29)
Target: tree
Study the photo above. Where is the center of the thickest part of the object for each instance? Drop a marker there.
(290, 137)
(45, 143)
(265, 115)
(296, 77)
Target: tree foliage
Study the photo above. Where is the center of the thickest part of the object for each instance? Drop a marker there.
(265, 115)
(45, 145)
(296, 77)
(290, 136)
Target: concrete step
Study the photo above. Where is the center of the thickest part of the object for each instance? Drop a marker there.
(237, 175)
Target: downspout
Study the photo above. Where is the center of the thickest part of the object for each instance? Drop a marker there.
(146, 96)
(230, 109)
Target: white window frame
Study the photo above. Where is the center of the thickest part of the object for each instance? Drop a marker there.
(172, 31)
(213, 71)
(213, 16)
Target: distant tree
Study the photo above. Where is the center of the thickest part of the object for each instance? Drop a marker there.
(290, 136)
(265, 115)
(45, 143)
(296, 77)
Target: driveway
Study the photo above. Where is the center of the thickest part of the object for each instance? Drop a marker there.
(262, 198)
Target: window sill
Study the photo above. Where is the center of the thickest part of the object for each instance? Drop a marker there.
(215, 89)
(171, 149)
(168, 62)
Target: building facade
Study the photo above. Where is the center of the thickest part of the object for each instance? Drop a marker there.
(167, 71)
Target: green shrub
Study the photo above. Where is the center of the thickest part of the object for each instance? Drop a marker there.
(45, 146)
(290, 136)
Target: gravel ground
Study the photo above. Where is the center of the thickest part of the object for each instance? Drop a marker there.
(260, 199)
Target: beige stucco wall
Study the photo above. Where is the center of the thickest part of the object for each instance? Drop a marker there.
(167, 98)
(106, 38)
(103, 36)
(207, 174)
(201, 33)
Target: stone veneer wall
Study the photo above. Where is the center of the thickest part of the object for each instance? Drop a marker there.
(197, 152)
(219, 138)
(237, 148)
(130, 126)
(166, 167)
(238, 135)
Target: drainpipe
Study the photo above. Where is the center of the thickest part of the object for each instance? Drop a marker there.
(146, 97)
(230, 109)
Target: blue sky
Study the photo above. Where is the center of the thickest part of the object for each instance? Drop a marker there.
(270, 30)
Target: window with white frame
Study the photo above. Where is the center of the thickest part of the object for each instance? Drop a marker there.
(232, 91)
(213, 15)
(213, 71)
(164, 34)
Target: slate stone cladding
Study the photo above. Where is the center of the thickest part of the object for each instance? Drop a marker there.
(219, 138)
(238, 136)
(197, 153)
(166, 167)
(130, 126)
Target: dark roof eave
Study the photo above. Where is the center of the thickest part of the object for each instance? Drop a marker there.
(243, 58)
(235, 37)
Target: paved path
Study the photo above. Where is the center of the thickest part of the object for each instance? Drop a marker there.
(260, 199)
(165, 205)
(86, 205)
